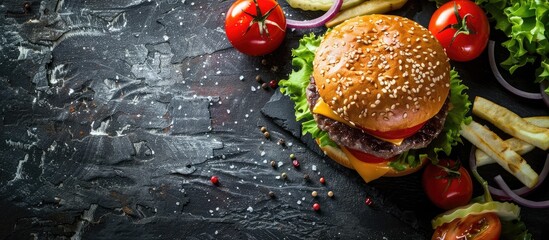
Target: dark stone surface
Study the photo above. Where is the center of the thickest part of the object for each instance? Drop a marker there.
(115, 114)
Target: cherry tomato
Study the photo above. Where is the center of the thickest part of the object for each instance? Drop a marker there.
(447, 184)
(486, 226)
(464, 34)
(255, 27)
(395, 134)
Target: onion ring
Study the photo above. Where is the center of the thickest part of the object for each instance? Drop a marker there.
(501, 80)
(501, 194)
(317, 22)
(518, 199)
(544, 85)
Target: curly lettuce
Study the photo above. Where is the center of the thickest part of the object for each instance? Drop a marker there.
(298, 80)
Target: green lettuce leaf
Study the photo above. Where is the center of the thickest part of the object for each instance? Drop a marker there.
(298, 80)
(526, 24)
(296, 85)
(514, 230)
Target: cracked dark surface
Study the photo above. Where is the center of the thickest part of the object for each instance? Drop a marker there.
(114, 115)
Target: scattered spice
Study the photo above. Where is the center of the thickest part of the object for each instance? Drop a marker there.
(265, 86)
(295, 163)
(264, 61)
(258, 79)
(267, 135)
(292, 156)
(316, 207)
(306, 177)
(322, 180)
(330, 194)
(214, 180)
(368, 201)
(271, 194)
(263, 129)
(273, 163)
(273, 84)
(284, 175)
(314, 193)
(281, 142)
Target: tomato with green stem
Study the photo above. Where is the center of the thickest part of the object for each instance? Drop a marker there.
(447, 184)
(255, 27)
(462, 28)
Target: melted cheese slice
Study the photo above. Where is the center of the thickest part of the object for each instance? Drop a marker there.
(323, 109)
(368, 171)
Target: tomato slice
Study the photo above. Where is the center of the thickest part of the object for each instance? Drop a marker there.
(396, 134)
(366, 157)
(486, 226)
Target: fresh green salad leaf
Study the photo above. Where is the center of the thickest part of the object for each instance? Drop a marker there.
(514, 230)
(298, 80)
(296, 84)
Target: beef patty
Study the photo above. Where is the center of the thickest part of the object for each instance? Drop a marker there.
(355, 138)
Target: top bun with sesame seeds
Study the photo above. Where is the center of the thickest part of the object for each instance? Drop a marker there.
(382, 73)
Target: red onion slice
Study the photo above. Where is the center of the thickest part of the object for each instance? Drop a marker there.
(501, 80)
(317, 22)
(501, 194)
(543, 85)
(518, 199)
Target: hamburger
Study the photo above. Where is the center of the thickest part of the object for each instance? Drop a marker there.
(378, 95)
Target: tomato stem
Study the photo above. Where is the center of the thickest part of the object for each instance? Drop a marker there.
(461, 25)
(261, 20)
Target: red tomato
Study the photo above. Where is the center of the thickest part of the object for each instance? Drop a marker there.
(366, 157)
(486, 226)
(255, 27)
(463, 35)
(395, 134)
(448, 185)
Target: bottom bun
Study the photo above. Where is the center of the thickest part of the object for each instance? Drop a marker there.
(340, 157)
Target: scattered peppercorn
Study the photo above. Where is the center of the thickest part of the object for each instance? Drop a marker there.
(214, 180)
(281, 142)
(271, 194)
(330, 194)
(265, 86)
(273, 163)
(263, 129)
(273, 84)
(267, 135)
(316, 207)
(306, 177)
(258, 79)
(284, 175)
(295, 163)
(322, 180)
(264, 61)
(314, 193)
(368, 201)
(292, 156)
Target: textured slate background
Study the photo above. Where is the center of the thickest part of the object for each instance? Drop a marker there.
(114, 115)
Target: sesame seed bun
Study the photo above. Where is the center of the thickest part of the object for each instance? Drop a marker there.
(382, 72)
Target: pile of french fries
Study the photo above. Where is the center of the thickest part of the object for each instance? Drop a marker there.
(528, 133)
(350, 8)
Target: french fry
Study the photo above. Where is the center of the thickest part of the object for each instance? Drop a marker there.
(366, 7)
(511, 123)
(496, 148)
(540, 121)
(517, 145)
